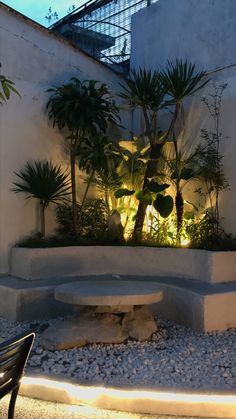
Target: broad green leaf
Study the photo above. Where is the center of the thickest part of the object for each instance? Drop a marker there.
(157, 187)
(164, 205)
(123, 192)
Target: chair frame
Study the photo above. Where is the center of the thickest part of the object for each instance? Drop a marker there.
(14, 354)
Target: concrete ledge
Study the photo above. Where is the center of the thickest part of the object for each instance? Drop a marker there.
(157, 401)
(19, 302)
(198, 305)
(211, 267)
(202, 312)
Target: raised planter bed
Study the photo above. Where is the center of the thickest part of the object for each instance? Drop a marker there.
(207, 266)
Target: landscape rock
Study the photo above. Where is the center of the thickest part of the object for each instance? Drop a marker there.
(139, 324)
(79, 331)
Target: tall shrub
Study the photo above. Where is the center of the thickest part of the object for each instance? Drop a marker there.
(80, 110)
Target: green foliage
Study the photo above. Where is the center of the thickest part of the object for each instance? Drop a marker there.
(157, 187)
(144, 197)
(93, 220)
(132, 156)
(144, 89)
(210, 157)
(207, 234)
(164, 205)
(123, 192)
(92, 154)
(82, 107)
(82, 110)
(43, 181)
(7, 87)
(153, 91)
(180, 79)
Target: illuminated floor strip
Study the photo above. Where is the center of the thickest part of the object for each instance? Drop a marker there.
(217, 405)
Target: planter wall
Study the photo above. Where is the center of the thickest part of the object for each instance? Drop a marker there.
(211, 267)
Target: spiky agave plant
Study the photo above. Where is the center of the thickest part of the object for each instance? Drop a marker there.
(43, 181)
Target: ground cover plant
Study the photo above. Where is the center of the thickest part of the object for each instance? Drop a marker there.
(136, 189)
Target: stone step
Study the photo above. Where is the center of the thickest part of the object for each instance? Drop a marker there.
(201, 306)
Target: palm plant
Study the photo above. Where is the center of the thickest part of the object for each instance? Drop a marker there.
(80, 109)
(43, 181)
(153, 91)
(180, 80)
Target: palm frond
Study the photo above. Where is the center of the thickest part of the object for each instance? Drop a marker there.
(43, 181)
(143, 88)
(181, 79)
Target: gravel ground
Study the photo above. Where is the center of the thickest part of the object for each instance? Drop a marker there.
(35, 409)
(175, 357)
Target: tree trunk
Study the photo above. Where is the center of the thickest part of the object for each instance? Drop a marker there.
(151, 170)
(42, 219)
(73, 190)
(87, 189)
(179, 205)
(84, 198)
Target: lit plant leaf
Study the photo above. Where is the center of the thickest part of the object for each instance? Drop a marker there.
(123, 192)
(142, 159)
(189, 215)
(164, 205)
(144, 197)
(128, 145)
(157, 187)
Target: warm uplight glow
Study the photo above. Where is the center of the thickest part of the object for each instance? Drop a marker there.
(185, 242)
(93, 394)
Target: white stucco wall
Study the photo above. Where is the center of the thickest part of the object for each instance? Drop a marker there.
(36, 60)
(204, 32)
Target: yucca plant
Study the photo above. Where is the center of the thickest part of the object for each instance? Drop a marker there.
(43, 181)
(81, 109)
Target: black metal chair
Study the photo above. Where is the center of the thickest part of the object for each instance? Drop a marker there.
(13, 357)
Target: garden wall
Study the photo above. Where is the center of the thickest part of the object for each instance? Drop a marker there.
(36, 60)
(204, 32)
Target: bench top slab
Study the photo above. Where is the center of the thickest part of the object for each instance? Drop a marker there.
(112, 292)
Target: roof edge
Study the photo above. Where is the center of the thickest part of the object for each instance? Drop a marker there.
(57, 36)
